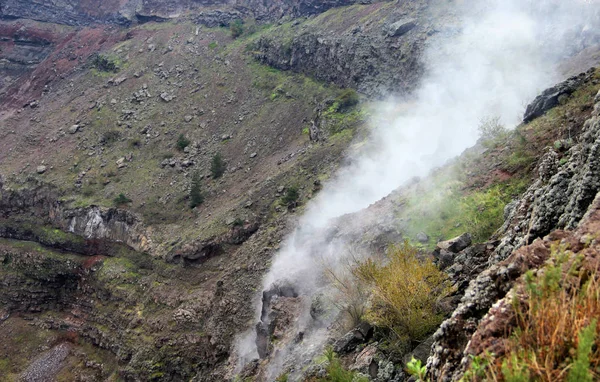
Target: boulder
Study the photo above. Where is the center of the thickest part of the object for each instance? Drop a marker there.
(457, 244)
(421, 352)
(73, 129)
(41, 169)
(552, 97)
(400, 27)
(350, 341)
(422, 237)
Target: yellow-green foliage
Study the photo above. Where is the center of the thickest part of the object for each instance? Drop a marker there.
(336, 372)
(405, 293)
(555, 335)
(445, 210)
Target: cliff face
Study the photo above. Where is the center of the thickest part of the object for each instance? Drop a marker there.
(375, 49)
(123, 12)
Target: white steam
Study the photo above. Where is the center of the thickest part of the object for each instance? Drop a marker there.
(501, 57)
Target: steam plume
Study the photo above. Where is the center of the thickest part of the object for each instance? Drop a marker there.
(504, 53)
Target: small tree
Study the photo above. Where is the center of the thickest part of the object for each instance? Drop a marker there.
(291, 196)
(182, 142)
(196, 197)
(492, 131)
(218, 166)
(121, 199)
(236, 28)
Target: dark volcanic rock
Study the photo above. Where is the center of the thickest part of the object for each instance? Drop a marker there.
(559, 199)
(551, 97)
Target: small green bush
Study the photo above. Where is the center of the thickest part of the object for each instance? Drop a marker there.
(105, 63)
(236, 28)
(347, 99)
(335, 370)
(290, 199)
(121, 199)
(416, 368)
(196, 197)
(492, 131)
(109, 137)
(218, 166)
(182, 142)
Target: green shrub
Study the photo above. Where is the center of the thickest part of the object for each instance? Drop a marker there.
(105, 63)
(217, 166)
(416, 368)
(236, 28)
(406, 291)
(121, 199)
(492, 132)
(335, 370)
(347, 99)
(182, 142)
(290, 199)
(196, 197)
(109, 137)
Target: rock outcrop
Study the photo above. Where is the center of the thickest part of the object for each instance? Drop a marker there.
(375, 58)
(36, 213)
(559, 199)
(76, 12)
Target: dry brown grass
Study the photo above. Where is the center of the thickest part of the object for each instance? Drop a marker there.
(554, 337)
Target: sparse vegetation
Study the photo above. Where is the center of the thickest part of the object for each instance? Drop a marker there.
(405, 293)
(236, 28)
(105, 63)
(347, 99)
(196, 197)
(121, 199)
(109, 137)
(555, 336)
(218, 166)
(335, 370)
(449, 211)
(492, 132)
(182, 142)
(290, 199)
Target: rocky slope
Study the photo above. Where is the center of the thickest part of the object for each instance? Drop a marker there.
(136, 98)
(75, 12)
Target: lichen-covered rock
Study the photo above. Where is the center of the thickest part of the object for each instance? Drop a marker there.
(558, 199)
(561, 195)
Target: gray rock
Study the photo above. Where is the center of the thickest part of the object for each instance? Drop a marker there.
(550, 97)
(400, 27)
(253, 155)
(167, 97)
(421, 352)
(188, 118)
(361, 334)
(41, 169)
(457, 244)
(422, 237)
(73, 129)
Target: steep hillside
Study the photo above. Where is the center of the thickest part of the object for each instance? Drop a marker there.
(154, 155)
